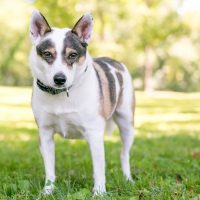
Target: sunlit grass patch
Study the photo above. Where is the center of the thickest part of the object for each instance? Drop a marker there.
(165, 158)
(168, 113)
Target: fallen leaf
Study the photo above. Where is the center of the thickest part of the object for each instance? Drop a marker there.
(196, 155)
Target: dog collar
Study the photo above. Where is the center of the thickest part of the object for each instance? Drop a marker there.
(52, 90)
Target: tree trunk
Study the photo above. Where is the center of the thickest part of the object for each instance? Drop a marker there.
(148, 71)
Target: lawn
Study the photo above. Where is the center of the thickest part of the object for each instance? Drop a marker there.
(165, 158)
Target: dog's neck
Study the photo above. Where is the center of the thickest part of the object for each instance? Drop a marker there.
(52, 90)
(88, 66)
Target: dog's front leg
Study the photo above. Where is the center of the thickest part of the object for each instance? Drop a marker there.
(96, 144)
(48, 154)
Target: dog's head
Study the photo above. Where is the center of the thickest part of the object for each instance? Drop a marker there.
(59, 56)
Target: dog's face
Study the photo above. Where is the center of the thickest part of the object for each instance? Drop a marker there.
(59, 56)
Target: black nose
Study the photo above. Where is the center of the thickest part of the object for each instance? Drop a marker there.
(59, 79)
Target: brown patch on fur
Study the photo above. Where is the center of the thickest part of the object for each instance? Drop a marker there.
(120, 79)
(117, 65)
(110, 78)
(52, 50)
(121, 82)
(106, 106)
(72, 44)
(46, 46)
(69, 50)
(81, 60)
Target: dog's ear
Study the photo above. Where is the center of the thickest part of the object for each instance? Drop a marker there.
(83, 28)
(39, 26)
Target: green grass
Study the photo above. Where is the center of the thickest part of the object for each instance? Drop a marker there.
(165, 158)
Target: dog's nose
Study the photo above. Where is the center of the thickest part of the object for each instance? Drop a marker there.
(59, 79)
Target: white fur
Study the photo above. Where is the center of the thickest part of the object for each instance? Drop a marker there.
(77, 115)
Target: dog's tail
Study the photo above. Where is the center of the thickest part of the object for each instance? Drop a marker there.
(110, 126)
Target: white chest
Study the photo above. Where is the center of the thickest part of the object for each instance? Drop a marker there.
(69, 126)
(70, 117)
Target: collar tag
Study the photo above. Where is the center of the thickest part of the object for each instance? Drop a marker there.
(67, 91)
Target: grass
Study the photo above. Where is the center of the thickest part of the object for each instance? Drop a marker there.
(165, 158)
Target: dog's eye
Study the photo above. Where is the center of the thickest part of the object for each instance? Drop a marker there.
(47, 54)
(72, 56)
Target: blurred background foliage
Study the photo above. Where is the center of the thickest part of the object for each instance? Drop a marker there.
(158, 40)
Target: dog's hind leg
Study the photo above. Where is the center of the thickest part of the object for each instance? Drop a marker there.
(123, 118)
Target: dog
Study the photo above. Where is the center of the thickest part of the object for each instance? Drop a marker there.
(76, 95)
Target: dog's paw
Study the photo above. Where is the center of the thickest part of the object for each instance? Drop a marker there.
(130, 179)
(48, 188)
(99, 190)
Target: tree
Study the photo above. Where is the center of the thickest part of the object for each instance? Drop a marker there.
(160, 25)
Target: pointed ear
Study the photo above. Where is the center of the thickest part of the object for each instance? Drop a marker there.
(39, 25)
(83, 28)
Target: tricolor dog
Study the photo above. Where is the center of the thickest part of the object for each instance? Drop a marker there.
(76, 95)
